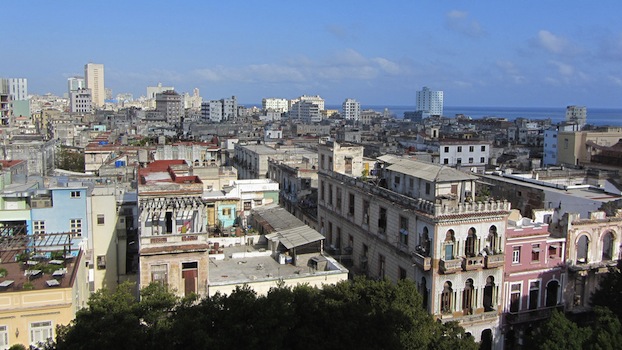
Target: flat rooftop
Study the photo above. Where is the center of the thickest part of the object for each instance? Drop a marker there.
(251, 267)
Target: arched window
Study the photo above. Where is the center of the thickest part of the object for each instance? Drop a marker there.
(196, 162)
(582, 249)
(489, 290)
(493, 238)
(608, 246)
(469, 247)
(448, 245)
(467, 297)
(446, 296)
(552, 289)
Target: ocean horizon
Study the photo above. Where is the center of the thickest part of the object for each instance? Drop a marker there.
(595, 116)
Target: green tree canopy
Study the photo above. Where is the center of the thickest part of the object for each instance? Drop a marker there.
(359, 314)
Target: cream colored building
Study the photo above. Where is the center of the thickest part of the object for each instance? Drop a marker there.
(32, 305)
(108, 248)
(94, 78)
(418, 220)
(571, 145)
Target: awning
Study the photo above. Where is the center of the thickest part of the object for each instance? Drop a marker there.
(295, 237)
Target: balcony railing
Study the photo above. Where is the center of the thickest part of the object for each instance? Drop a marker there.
(450, 266)
(424, 262)
(492, 261)
(472, 263)
(531, 315)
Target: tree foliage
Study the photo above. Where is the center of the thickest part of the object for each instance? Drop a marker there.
(359, 314)
(609, 292)
(68, 159)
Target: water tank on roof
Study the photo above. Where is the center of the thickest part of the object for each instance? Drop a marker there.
(119, 163)
(103, 143)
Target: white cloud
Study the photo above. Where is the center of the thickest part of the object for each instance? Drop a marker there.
(555, 44)
(460, 22)
(509, 70)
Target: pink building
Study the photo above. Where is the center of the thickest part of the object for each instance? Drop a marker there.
(534, 275)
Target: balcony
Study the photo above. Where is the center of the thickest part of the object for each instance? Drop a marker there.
(531, 315)
(472, 263)
(492, 261)
(450, 266)
(424, 262)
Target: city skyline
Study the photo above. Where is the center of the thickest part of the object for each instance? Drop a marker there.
(532, 54)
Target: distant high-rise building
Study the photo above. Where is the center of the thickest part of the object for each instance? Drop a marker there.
(219, 110)
(153, 90)
(94, 78)
(351, 109)
(313, 99)
(429, 102)
(576, 115)
(305, 111)
(81, 101)
(275, 104)
(17, 88)
(171, 105)
(75, 83)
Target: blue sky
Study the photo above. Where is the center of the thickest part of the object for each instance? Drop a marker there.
(480, 53)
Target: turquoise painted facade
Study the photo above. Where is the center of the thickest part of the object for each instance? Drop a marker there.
(227, 214)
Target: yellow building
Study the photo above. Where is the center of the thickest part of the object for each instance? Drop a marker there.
(42, 285)
(572, 148)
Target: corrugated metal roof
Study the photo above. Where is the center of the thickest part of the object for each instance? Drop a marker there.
(296, 237)
(427, 171)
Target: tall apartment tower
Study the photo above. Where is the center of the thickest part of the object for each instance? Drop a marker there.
(81, 101)
(429, 102)
(17, 88)
(576, 115)
(94, 78)
(171, 105)
(75, 83)
(351, 109)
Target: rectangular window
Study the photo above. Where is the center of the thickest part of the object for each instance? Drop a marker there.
(248, 205)
(338, 199)
(534, 294)
(382, 220)
(330, 194)
(40, 332)
(427, 188)
(471, 148)
(535, 252)
(483, 148)
(470, 160)
(75, 194)
(101, 262)
(100, 219)
(159, 274)
(365, 212)
(482, 160)
(351, 204)
(515, 297)
(226, 212)
(257, 202)
(459, 148)
(553, 251)
(516, 255)
(38, 227)
(75, 227)
(401, 273)
(381, 263)
(397, 179)
(446, 149)
(322, 189)
(459, 161)
(4, 337)
(403, 230)
(446, 161)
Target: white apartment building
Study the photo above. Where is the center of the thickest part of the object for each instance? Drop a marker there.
(313, 99)
(305, 111)
(81, 101)
(276, 104)
(94, 78)
(152, 91)
(464, 153)
(219, 110)
(576, 115)
(75, 83)
(17, 88)
(417, 220)
(429, 102)
(549, 155)
(351, 109)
